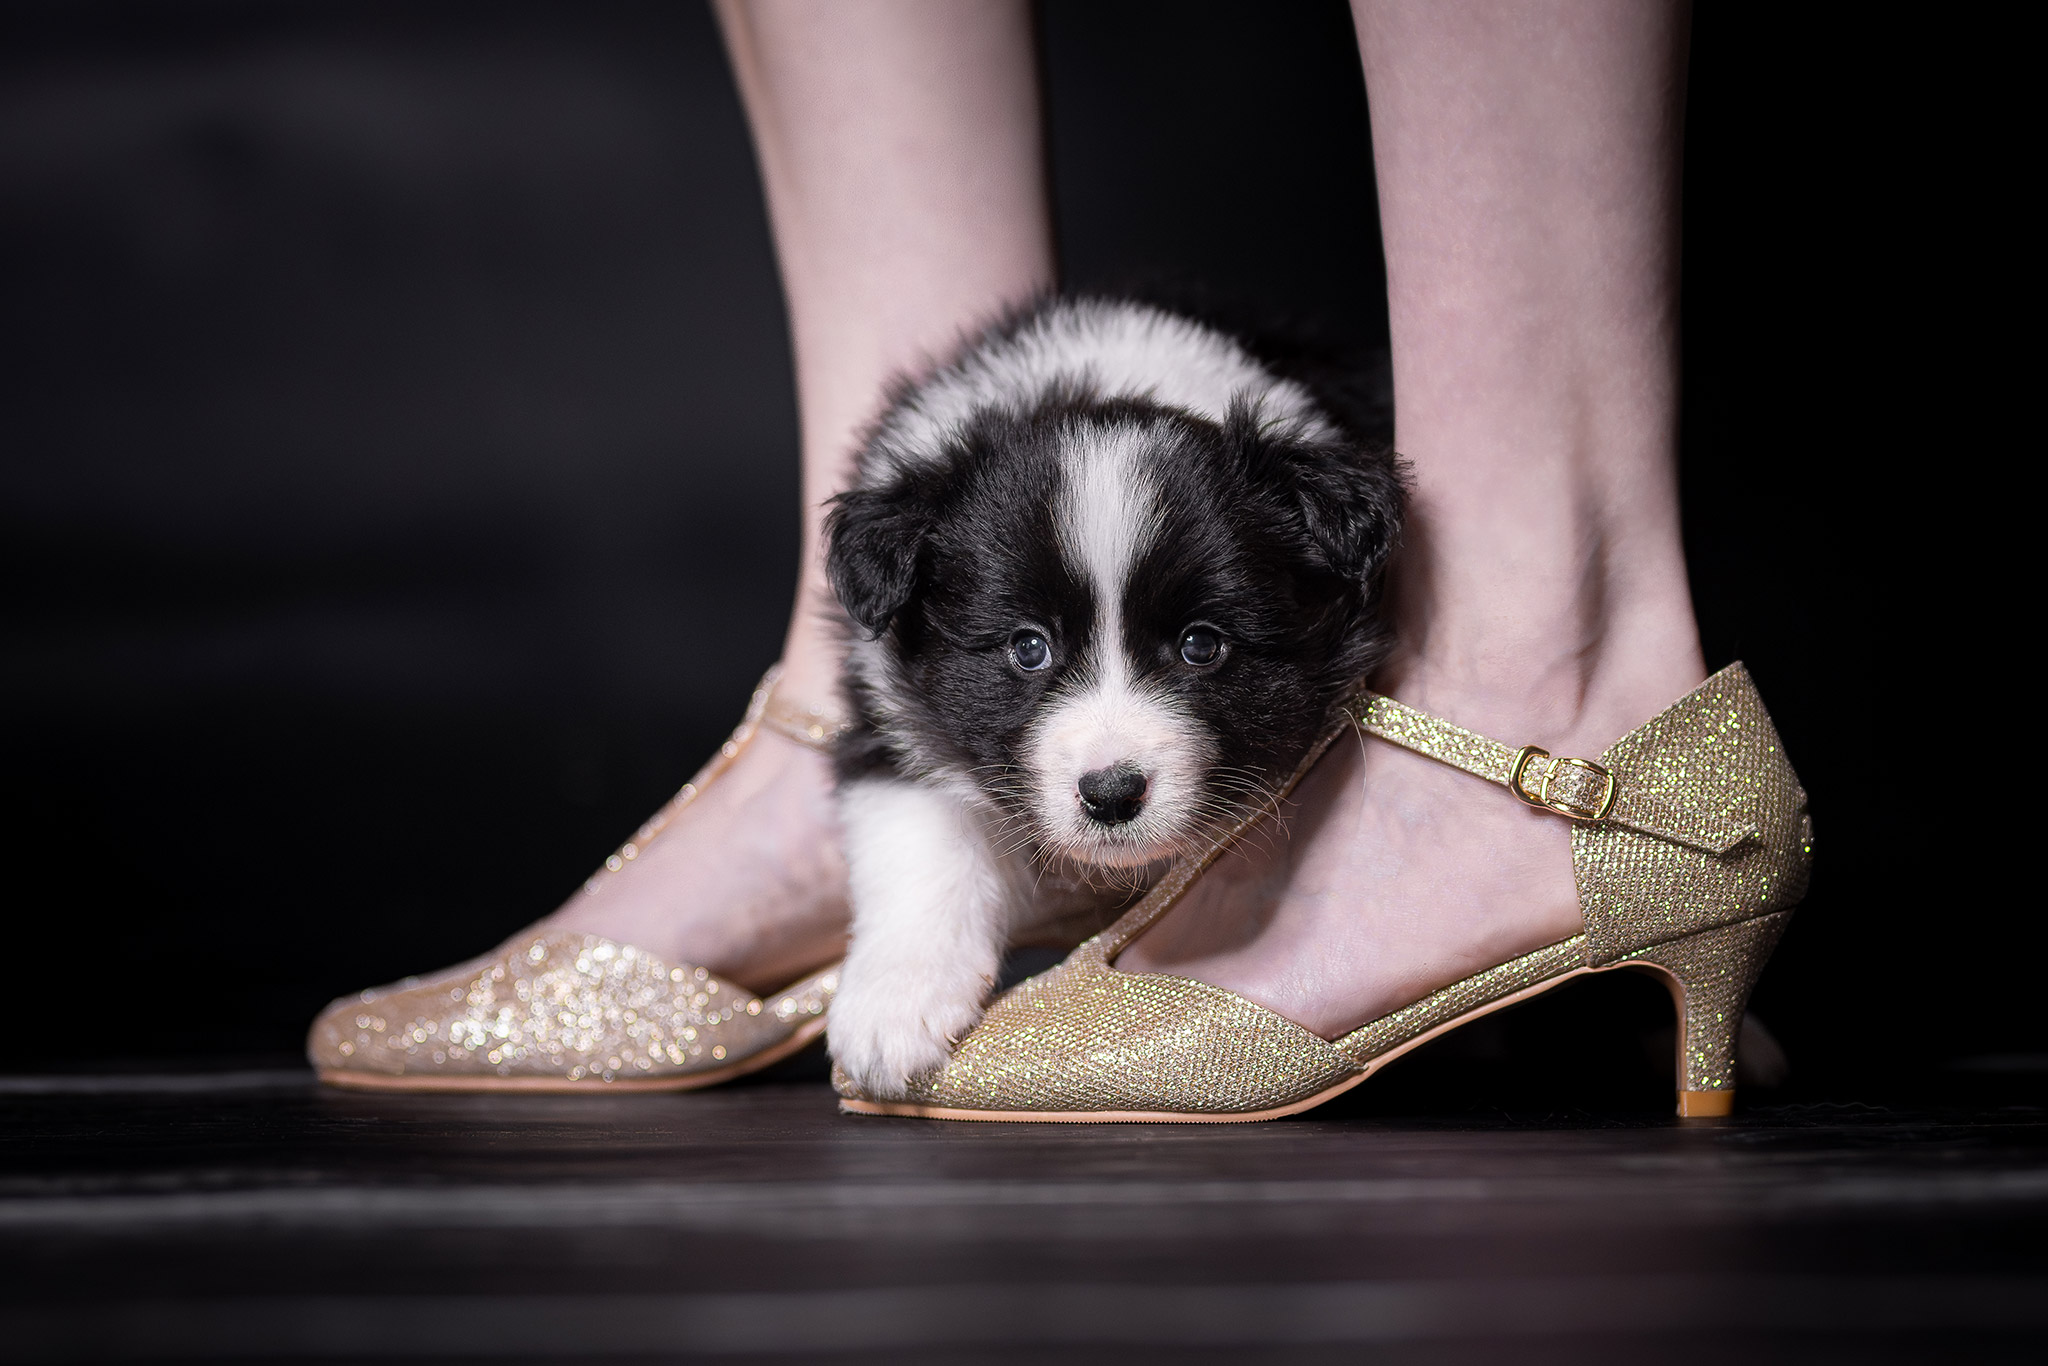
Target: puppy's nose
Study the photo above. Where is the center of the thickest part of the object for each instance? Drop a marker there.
(1113, 795)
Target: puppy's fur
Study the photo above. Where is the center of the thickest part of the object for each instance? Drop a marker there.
(1195, 546)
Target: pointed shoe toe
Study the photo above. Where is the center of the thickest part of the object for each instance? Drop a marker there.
(557, 1010)
(563, 1012)
(1084, 1040)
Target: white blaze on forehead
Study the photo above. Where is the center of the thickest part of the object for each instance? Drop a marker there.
(1108, 515)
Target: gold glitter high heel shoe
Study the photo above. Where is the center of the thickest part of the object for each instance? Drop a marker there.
(1690, 845)
(568, 1011)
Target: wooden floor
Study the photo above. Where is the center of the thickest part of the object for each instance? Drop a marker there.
(251, 1215)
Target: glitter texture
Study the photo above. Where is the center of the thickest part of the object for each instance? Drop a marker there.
(567, 1010)
(573, 1007)
(1718, 754)
(1479, 990)
(1692, 874)
(1650, 808)
(1717, 969)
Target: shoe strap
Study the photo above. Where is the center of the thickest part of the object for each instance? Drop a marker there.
(812, 723)
(1580, 790)
(812, 726)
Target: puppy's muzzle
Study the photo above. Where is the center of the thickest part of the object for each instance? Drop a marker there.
(1113, 795)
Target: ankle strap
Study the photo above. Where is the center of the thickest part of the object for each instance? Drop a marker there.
(811, 724)
(1580, 790)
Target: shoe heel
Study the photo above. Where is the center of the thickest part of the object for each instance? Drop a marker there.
(1710, 975)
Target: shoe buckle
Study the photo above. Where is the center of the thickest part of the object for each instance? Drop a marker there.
(1544, 800)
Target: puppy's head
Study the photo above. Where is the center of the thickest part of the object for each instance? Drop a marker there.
(1122, 623)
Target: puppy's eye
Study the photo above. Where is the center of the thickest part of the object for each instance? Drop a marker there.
(1200, 645)
(1029, 650)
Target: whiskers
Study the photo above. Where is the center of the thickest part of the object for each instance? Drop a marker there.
(1014, 828)
(1125, 880)
(1233, 797)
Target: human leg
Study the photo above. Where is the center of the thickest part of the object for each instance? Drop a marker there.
(1527, 158)
(899, 144)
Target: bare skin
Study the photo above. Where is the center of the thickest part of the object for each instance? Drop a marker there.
(900, 146)
(1527, 159)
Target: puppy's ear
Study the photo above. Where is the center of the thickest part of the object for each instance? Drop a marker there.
(876, 541)
(1349, 496)
(1352, 499)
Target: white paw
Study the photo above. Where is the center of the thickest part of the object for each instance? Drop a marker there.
(888, 1026)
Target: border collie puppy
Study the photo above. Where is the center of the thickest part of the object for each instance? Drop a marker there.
(1107, 575)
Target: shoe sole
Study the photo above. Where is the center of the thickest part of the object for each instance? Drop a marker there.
(1691, 1104)
(805, 1033)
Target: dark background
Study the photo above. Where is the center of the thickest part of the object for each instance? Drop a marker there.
(399, 472)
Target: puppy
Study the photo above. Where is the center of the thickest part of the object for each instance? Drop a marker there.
(1106, 576)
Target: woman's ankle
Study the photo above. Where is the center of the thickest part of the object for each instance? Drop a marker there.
(812, 650)
(1572, 674)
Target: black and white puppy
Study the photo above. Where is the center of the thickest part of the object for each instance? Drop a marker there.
(1107, 575)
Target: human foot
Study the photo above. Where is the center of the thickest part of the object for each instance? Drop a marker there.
(1693, 846)
(692, 956)
(1391, 875)
(741, 875)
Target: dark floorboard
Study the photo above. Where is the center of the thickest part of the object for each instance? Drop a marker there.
(254, 1216)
